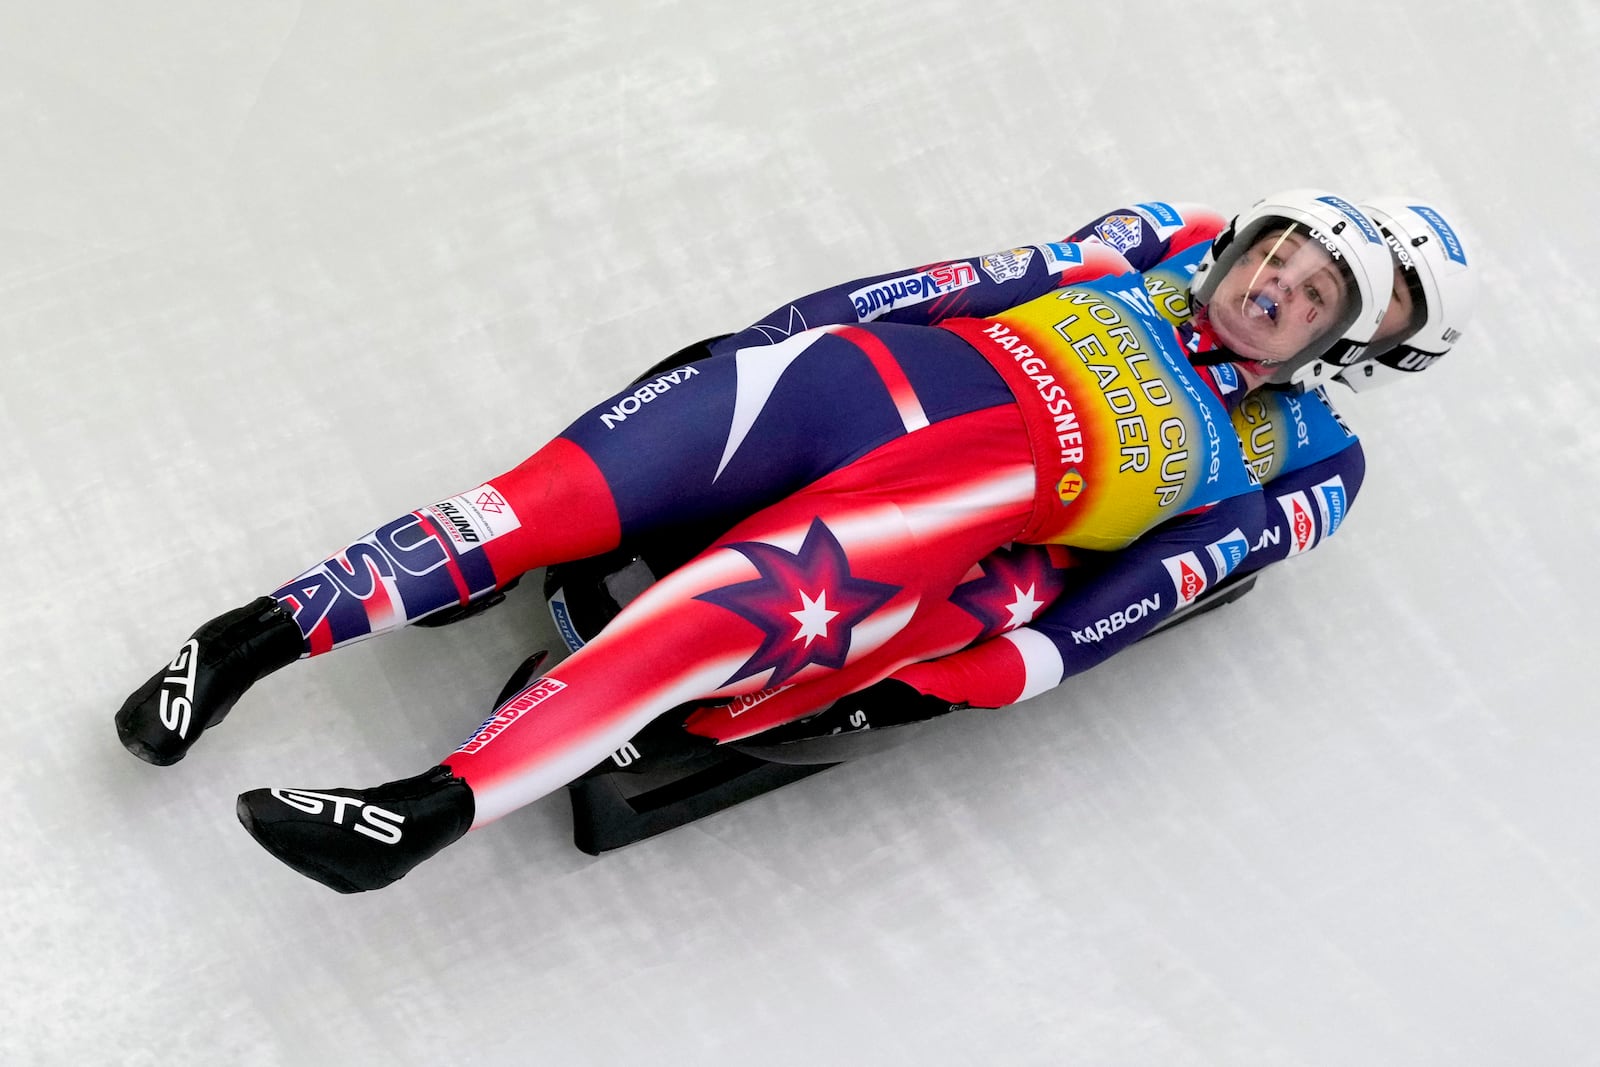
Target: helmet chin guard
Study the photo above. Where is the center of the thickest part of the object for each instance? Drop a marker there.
(1290, 260)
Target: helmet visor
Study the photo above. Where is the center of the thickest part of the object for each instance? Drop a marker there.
(1284, 297)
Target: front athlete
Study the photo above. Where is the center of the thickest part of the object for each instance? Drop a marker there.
(862, 469)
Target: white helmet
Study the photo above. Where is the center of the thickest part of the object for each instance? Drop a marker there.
(1442, 284)
(1303, 253)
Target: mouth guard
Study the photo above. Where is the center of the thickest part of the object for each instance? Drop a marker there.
(1268, 306)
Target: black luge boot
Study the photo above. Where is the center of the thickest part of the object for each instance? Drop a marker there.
(226, 656)
(353, 840)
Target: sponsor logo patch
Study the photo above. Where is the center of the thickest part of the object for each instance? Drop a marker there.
(1121, 232)
(175, 709)
(380, 824)
(1228, 553)
(1452, 243)
(1302, 529)
(1007, 265)
(1069, 434)
(739, 705)
(1188, 577)
(1116, 621)
(1349, 211)
(1070, 486)
(511, 711)
(1400, 252)
(878, 299)
(644, 394)
(1331, 501)
(563, 621)
(474, 518)
(1160, 214)
(1058, 256)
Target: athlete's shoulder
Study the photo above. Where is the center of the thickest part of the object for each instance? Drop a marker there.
(1283, 431)
(1150, 231)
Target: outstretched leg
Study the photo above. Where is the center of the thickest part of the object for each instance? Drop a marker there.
(436, 558)
(829, 577)
(712, 441)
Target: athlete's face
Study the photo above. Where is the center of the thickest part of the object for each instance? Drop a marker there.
(1396, 320)
(1282, 295)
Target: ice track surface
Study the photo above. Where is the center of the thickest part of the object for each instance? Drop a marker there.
(273, 273)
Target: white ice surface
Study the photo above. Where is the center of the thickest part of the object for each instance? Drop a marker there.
(272, 273)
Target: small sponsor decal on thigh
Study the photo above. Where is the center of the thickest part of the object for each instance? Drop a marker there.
(474, 518)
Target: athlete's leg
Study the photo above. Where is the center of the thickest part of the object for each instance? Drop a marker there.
(1111, 601)
(706, 443)
(818, 581)
(1059, 614)
(710, 441)
(1005, 590)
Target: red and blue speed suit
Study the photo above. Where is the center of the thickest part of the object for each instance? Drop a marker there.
(1050, 615)
(1311, 466)
(863, 469)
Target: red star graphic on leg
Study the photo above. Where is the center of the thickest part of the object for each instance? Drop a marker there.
(804, 603)
(1016, 584)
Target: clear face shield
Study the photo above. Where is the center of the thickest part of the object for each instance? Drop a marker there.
(1284, 299)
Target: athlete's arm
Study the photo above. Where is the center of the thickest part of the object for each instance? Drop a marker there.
(1146, 234)
(1305, 507)
(966, 288)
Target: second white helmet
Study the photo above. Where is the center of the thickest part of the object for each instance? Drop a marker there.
(1436, 285)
